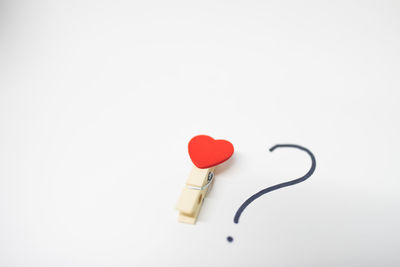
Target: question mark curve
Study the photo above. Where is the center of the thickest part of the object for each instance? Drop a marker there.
(278, 186)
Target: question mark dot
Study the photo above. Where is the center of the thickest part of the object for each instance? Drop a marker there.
(230, 239)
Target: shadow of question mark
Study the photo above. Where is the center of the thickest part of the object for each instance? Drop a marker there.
(278, 186)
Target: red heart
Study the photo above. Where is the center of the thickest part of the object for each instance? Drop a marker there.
(207, 152)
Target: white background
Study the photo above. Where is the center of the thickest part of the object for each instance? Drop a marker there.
(99, 99)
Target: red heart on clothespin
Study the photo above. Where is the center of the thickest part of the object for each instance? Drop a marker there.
(206, 152)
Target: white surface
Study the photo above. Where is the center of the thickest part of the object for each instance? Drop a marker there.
(98, 102)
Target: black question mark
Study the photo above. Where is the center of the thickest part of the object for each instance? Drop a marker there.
(278, 186)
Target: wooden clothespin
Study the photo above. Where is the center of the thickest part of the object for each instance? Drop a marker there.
(205, 153)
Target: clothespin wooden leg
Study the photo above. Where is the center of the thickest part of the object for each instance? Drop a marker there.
(192, 196)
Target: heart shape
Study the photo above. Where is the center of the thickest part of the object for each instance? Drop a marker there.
(206, 152)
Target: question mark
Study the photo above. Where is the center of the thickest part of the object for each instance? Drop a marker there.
(278, 186)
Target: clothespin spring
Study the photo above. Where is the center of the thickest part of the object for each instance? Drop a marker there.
(210, 178)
